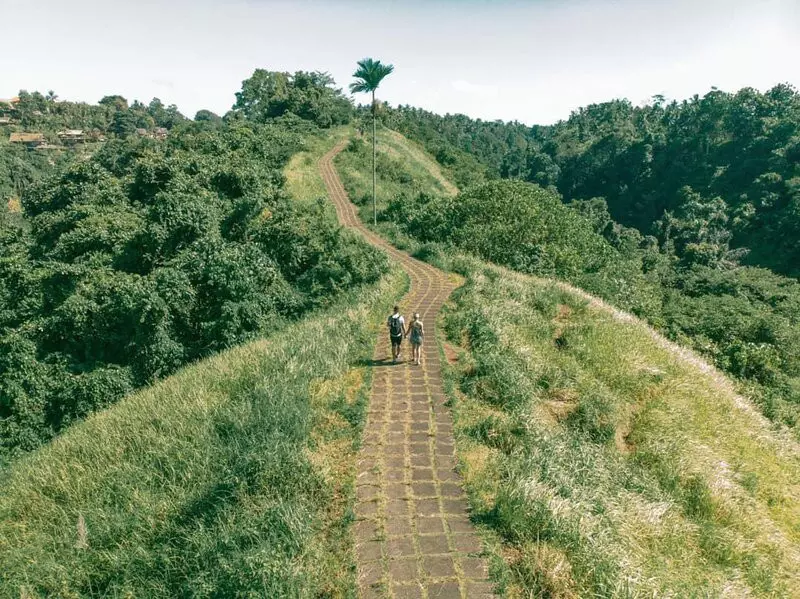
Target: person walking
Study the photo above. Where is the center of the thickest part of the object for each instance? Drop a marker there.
(417, 334)
(397, 330)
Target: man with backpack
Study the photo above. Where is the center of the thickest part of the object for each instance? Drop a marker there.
(397, 330)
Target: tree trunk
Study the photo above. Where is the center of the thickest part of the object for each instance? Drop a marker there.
(374, 182)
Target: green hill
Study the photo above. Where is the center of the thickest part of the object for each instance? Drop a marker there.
(606, 461)
(601, 459)
(746, 320)
(231, 477)
(186, 335)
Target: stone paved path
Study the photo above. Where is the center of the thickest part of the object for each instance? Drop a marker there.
(413, 536)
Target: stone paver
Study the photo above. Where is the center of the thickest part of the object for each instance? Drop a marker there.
(412, 534)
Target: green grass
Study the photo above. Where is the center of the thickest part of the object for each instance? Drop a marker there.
(601, 464)
(403, 169)
(232, 477)
(303, 180)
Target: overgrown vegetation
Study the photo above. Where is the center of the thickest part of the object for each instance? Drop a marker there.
(148, 254)
(111, 117)
(230, 478)
(403, 171)
(604, 465)
(735, 156)
(746, 319)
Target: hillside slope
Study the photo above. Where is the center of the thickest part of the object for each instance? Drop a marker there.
(404, 169)
(228, 478)
(606, 459)
(603, 459)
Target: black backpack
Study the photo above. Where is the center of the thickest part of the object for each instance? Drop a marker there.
(395, 330)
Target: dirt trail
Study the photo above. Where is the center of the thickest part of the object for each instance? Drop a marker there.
(413, 535)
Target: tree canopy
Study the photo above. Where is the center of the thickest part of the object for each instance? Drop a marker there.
(125, 263)
(311, 96)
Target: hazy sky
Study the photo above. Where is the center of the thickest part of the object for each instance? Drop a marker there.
(533, 61)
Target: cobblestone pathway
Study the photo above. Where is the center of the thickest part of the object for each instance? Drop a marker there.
(413, 536)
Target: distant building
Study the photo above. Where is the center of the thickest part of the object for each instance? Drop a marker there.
(95, 135)
(159, 133)
(72, 136)
(8, 107)
(31, 140)
(6, 120)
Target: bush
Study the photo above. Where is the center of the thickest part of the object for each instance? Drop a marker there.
(150, 255)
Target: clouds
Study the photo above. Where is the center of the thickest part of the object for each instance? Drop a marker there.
(529, 61)
(475, 89)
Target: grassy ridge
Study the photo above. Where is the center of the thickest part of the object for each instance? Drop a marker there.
(605, 465)
(230, 477)
(599, 462)
(303, 180)
(403, 169)
(744, 320)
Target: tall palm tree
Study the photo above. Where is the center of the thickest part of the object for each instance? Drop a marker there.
(368, 76)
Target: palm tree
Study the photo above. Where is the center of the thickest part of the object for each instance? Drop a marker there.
(368, 76)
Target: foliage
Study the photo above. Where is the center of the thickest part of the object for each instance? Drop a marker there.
(400, 172)
(512, 223)
(231, 478)
(686, 278)
(148, 255)
(369, 75)
(738, 149)
(268, 95)
(600, 462)
(46, 114)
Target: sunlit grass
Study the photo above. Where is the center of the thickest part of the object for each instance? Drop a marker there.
(605, 465)
(403, 169)
(303, 180)
(599, 461)
(231, 478)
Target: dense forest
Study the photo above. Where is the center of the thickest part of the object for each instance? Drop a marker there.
(134, 254)
(687, 214)
(732, 160)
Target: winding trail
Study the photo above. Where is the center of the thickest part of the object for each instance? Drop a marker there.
(413, 536)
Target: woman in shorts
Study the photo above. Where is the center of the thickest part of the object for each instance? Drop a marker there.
(416, 332)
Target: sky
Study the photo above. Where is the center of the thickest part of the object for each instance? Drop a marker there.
(530, 61)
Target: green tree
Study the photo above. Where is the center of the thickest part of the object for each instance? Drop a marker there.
(368, 76)
(268, 95)
(123, 123)
(207, 115)
(700, 233)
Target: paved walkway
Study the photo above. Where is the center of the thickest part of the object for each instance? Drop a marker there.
(413, 537)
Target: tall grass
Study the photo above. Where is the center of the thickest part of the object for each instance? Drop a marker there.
(303, 180)
(231, 478)
(603, 464)
(600, 463)
(402, 170)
